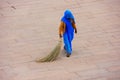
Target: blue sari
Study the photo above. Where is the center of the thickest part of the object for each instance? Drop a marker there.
(69, 31)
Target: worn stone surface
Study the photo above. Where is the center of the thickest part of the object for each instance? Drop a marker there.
(29, 30)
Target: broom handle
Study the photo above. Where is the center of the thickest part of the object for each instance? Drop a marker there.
(60, 39)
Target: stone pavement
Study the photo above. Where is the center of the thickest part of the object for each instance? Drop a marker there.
(29, 30)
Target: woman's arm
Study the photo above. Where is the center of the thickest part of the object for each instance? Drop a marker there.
(74, 26)
(61, 29)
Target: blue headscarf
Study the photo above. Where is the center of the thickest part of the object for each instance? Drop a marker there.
(68, 15)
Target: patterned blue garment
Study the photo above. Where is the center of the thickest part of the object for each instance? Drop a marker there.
(69, 31)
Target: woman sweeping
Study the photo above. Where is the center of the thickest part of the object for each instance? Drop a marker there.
(66, 29)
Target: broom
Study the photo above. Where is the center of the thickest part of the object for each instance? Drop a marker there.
(53, 54)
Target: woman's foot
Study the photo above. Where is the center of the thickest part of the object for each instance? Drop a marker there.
(68, 55)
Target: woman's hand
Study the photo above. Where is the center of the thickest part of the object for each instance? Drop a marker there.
(60, 35)
(76, 31)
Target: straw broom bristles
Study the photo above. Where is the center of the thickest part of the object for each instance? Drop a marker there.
(53, 54)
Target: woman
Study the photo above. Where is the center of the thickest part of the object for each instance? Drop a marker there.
(66, 29)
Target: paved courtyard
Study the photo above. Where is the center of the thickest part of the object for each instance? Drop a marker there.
(29, 30)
